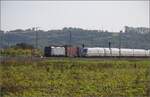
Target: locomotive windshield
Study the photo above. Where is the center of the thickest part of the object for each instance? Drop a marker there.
(84, 50)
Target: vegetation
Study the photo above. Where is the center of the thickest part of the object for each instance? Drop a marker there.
(20, 49)
(22, 46)
(130, 39)
(75, 78)
(12, 52)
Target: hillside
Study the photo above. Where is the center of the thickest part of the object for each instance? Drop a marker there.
(130, 39)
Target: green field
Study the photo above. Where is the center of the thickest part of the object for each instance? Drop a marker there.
(75, 78)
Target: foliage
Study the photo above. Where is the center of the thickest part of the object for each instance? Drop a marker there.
(20, 52)
(75, 78)
(22, 46)
(79, 36)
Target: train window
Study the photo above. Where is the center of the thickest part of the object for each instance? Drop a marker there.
(84, 50)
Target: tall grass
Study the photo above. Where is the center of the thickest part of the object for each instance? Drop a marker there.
(75, 78)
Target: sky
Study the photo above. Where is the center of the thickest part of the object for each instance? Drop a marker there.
(92, 15)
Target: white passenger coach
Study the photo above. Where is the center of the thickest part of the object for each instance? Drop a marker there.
(114, 52)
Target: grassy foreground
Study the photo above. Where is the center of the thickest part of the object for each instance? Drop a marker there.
(75, 78)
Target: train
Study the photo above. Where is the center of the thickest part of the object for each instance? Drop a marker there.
(70, 51)
(62, 51)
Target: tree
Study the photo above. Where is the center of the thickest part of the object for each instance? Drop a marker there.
(23, 46)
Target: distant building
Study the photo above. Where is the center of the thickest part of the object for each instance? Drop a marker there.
(141, 30)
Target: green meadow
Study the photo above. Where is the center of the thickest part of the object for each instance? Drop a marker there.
(77, 77)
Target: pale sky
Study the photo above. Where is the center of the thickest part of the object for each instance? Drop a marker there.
(106, 15)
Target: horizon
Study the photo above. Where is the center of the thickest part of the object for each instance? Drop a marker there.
(68, 28)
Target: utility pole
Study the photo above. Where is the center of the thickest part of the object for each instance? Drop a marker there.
(109, 44)
(36, 36)
(120, 34)
(70, 38)
(36, 39)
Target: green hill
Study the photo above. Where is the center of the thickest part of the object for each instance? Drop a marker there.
(130, 39)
